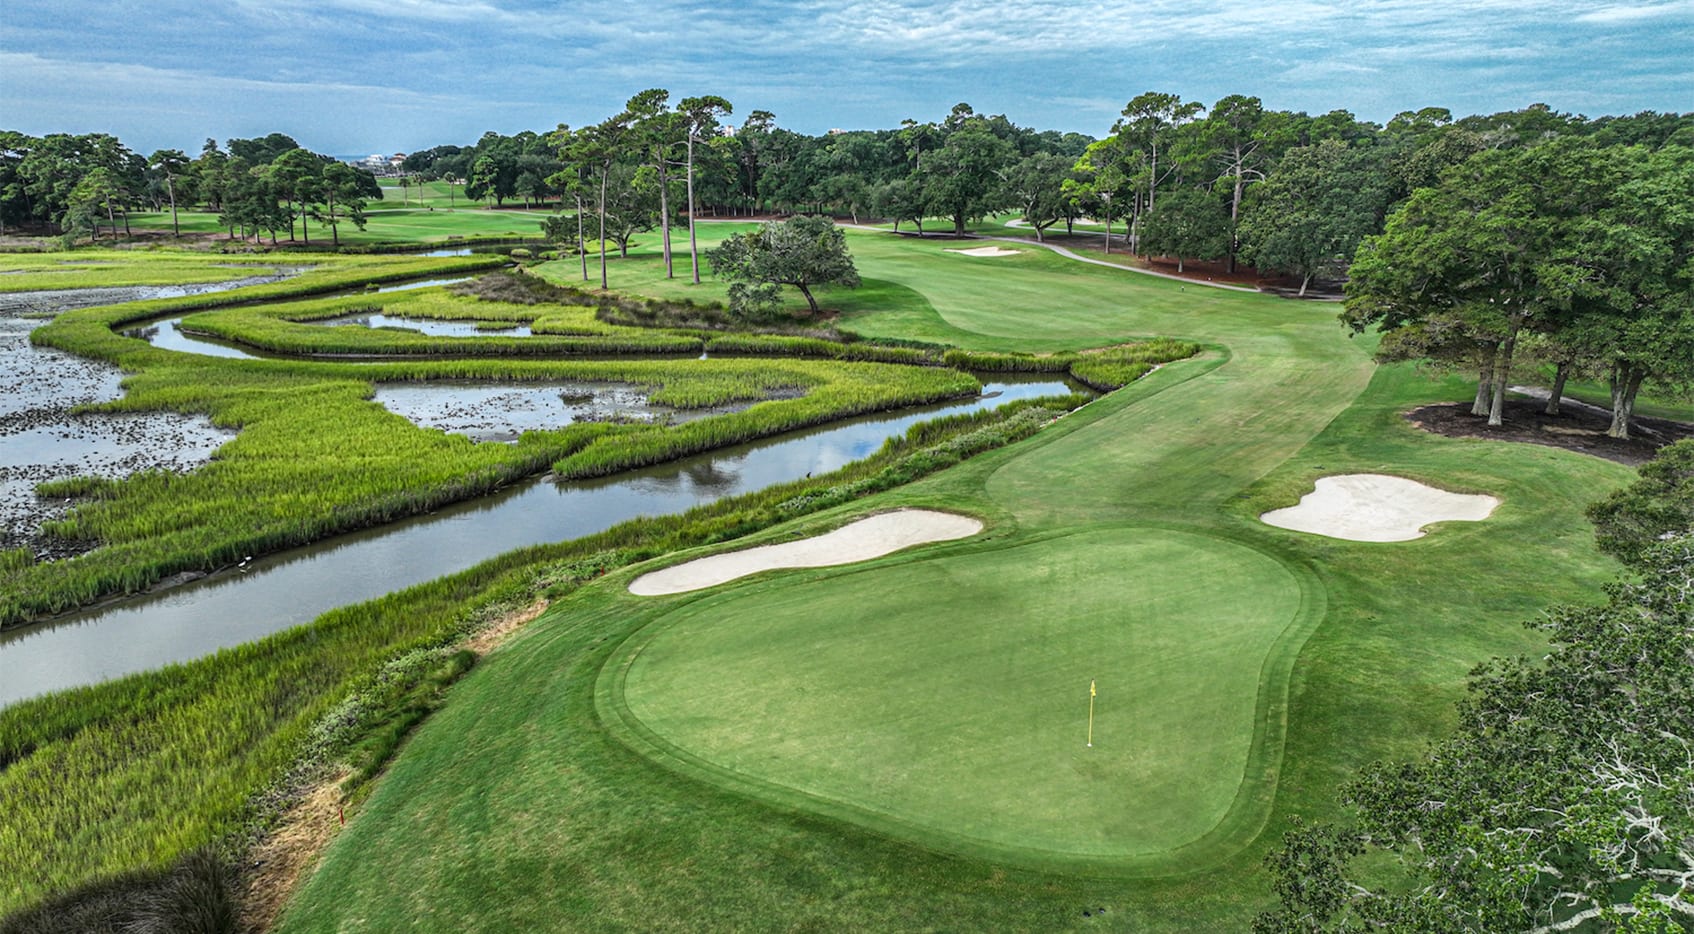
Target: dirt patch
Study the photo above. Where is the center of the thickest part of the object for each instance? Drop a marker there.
(279, 863)
(490, 638)
(284, 858)
(1573, 429)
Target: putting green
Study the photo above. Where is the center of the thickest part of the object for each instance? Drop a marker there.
(946, 699)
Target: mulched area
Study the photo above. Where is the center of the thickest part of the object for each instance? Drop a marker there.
(1575, 428)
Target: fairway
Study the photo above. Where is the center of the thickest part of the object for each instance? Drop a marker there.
(946, 700)
(899, 744)
(383, 224)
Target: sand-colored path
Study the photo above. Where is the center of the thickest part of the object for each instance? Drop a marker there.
(870, 537)
(1370, 507)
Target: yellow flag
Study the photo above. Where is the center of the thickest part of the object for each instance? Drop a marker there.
(1091, 687)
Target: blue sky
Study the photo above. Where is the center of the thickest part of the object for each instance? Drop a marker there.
(361, 76)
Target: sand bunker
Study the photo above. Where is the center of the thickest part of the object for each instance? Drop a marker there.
(871, 537)
(1370, 507)
(986, 251)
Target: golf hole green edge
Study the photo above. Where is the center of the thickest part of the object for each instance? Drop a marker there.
(1248, 808)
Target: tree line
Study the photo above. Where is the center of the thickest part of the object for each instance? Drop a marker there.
(1482, 243)
(75, 184)
(1284, 191)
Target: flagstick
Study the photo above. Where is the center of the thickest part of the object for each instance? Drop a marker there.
(1091, 713)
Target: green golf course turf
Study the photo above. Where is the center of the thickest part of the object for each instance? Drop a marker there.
(820, 750)
(383, 224)
(947, 698)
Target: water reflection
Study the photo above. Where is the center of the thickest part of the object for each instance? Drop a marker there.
(419, 284)
(429, 326)
(167, 334)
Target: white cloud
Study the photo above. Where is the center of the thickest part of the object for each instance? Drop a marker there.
(34, 74)
(455, 67)
(150, 107)
(1635, 13)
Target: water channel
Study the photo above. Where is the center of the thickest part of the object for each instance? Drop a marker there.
(274, 592)
(293, 587)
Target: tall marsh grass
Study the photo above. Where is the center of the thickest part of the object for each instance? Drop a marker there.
(315, 457)
(132, 774)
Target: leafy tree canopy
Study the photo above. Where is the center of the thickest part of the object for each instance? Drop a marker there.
(802, 252)
(1659, 504)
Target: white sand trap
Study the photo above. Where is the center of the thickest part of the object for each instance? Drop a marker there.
(1369, 507)
(986, 251)
(871, 537)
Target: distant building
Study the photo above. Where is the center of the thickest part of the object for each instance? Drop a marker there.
(380, 165)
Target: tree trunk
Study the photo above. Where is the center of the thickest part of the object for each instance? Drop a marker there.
(1234, 219)
(1483, 396)
(1179, 264)
(1558, 393)
(1502, 370)
(958, 225)
(581, 244)
(1153, 177)
(1304, 280)
(693, 245)
(605, 170)
(1626, 382)
(171, 187)
(808, 293)
(1108, 229)
(665, 217)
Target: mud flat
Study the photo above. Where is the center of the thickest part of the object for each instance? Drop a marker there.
(42, 439)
